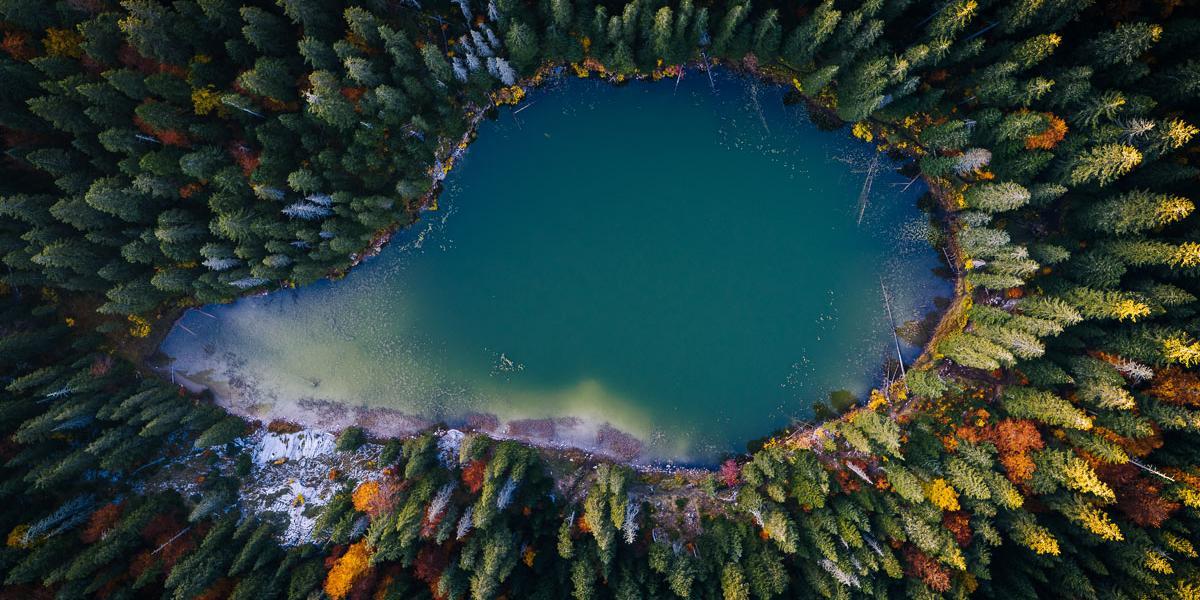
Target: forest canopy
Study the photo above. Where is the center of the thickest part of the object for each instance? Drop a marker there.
(161, 155)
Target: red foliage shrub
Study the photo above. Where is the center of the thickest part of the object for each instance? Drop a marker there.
(246, 158)
(190, 190)
(22, 137)
(162, 534)
(16, 44)
(958, 523)
(131, 58)
(100, 523)
(171, 137)
(1140, 498)
(101, 365)
(282, 426)
(472, 475)
(927, 569)
(26, 592)
(938, 75)
(91, 65)
(847, 481)
(94, 7)
(431, 561)
(168, 137)
(730, 473)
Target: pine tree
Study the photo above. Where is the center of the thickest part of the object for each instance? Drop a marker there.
(1136, 211)
(1044, 406)
(733, 583)
(267, 32)
(660, 35)
(1124, 44)
(522, 45)
(269, 78)
(997, 197)
(807, 38)
(768, 35)
(326, 102)
(724, 36)
(436, 63)
(1104, 164)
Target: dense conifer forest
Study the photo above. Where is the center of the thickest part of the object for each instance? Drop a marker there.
(167, 154)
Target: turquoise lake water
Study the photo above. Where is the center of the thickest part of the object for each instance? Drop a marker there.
(682, 264)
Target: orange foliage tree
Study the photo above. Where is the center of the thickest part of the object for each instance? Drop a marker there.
(347, 570)
(1015, 438)
(162, 535)
(1176, 386)
(365, 495)
(375, 497)
(1056, 130)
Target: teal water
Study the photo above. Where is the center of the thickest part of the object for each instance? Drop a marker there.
(681, 264)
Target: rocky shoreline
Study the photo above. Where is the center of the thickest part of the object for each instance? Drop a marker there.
(602, 440)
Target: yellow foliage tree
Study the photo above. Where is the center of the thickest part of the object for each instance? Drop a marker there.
(1011, 498)
(942, 494)
(1130, 309)
(1186, 254)
(205, 100)
(1158, 563)
(1182, 350)
(1080, 477)
(1098, 522)
(1176, 133)
(1035, 537)
(1188, 496)
(1174, 208)
(1187, 590)
(347, 570)
(16, 537)
(63, 42)
(1179, 545)
(138, 327)
(862, 131)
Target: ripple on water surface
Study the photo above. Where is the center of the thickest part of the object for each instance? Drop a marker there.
(676, 268)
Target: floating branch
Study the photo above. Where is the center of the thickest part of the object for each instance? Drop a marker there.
(865, 194)
(887, 302)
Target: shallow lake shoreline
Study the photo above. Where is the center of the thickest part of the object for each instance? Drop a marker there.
(565, 434)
